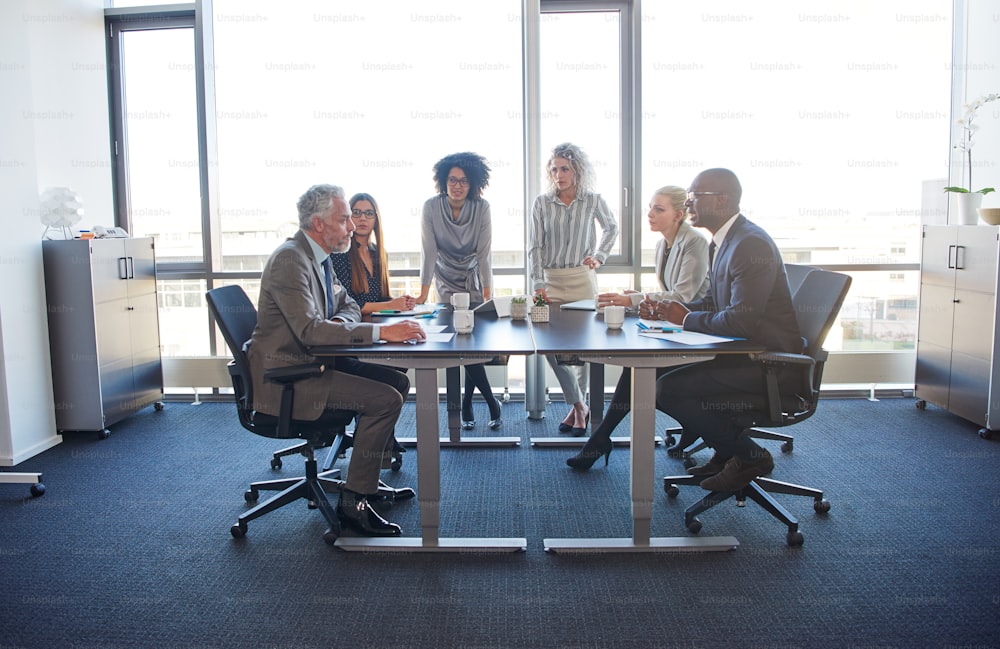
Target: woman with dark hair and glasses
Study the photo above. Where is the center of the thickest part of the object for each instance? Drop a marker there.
(457, 236)
(364, 268)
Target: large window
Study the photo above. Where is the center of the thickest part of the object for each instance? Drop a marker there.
(340, 95)
(834, 116)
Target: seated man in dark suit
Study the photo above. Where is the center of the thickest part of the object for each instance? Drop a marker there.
(748, 297)
(301, 305)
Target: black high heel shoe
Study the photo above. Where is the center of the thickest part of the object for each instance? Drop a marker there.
(565, 428)
(586, 458)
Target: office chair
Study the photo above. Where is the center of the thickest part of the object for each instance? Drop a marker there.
(236, 316)
(817, 305)
(684, 446)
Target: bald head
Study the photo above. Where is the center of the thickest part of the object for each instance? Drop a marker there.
(714, 196)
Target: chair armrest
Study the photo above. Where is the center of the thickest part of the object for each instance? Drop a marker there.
(294, 373)
(784, 358)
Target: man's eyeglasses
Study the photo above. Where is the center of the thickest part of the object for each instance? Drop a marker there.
(368, 214)
(464, 182)
(694, 195)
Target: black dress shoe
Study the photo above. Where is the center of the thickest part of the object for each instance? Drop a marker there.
(354, 512)
(564, 427)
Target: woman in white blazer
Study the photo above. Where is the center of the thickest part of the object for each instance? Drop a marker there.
(682, 274)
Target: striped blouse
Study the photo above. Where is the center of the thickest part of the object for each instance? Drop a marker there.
(561, 236)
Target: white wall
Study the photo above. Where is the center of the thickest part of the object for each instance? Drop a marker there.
(54, 130)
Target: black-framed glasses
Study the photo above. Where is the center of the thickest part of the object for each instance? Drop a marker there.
(368, 214)
(693, 195)
(464, 182)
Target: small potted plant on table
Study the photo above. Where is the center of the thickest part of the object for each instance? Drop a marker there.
(540, 309)
(519, 307)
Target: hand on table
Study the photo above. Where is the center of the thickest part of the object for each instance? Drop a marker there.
(404, 331)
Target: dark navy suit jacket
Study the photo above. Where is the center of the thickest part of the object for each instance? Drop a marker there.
(748, 294)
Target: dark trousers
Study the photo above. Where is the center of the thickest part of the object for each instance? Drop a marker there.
(680, 392)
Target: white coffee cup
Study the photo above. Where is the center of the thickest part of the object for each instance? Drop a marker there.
(460, 300)
(614, 316)
(464, 320)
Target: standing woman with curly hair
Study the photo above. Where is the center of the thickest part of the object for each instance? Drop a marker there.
(457, 236)
(563, 255)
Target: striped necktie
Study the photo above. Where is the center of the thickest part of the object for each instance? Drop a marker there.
(328, 276)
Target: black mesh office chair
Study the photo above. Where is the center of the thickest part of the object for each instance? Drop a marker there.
(684, 446)
(236, 316)
(817, 306)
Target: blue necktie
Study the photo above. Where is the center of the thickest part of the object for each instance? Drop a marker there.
(328, 276)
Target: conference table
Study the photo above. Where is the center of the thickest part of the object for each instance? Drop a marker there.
(490, 337)
(583, 334)
(572, 333)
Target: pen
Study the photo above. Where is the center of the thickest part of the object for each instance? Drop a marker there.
(425, 315)
(390, 311)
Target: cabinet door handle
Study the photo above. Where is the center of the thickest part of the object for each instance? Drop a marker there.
(130, 265)
(122, 268)
(960, 250)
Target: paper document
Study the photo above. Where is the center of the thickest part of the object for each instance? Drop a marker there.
(686, 337)
(440, 337)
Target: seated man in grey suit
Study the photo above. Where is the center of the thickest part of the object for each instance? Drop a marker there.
(748, 297)
(301, 305)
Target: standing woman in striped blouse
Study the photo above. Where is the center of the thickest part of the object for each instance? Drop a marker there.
(563, 255)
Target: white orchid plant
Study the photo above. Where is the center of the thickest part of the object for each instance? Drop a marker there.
(968, 130)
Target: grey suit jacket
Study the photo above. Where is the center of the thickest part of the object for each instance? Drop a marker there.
(290, 318)
(748, 293)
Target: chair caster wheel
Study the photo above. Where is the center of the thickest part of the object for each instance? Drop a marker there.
(330, 536)
(37, 489)
(689, 462)
(821, 506)
(238, 530)
(397, 463)
(795, 538)
(671, 490)
(787, 447)
(104, 434)
(275, 463)
(694, 526)
(251, 496)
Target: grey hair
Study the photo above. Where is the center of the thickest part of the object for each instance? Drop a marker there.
(317, 201)
(583, 170)
(677, 196)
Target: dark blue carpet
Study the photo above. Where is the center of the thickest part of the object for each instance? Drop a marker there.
(130, 546)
